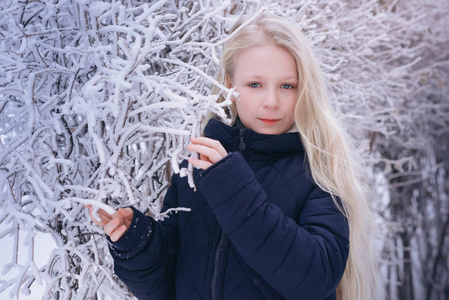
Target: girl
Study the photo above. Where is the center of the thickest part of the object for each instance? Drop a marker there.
(279, 212)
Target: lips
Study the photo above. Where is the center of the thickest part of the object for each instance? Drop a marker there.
(270, 121)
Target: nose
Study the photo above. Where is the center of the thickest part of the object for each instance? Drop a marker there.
(271, 100)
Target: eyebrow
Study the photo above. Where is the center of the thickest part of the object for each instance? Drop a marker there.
(287, 78)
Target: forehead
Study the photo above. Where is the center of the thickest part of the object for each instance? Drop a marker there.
(265, 61)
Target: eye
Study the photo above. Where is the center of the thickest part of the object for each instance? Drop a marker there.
(287, 86)
(254, 85)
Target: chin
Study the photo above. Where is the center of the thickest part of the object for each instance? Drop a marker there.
(270, 131)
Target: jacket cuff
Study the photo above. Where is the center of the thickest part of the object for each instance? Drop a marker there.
(135, 240)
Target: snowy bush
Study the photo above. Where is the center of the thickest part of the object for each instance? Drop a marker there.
(99, 98)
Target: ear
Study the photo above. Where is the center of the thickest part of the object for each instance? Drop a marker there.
(228, 81)
(229, 85)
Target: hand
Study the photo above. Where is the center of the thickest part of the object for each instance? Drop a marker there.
(113, 225)
(210, 152)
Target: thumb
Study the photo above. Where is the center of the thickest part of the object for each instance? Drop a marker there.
(125, 212)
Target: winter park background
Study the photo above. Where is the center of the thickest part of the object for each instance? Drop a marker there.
(98, 100)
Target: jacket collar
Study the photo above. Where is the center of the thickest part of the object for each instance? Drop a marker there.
(256, 145)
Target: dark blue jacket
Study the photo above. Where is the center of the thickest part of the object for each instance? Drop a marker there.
(259, 228)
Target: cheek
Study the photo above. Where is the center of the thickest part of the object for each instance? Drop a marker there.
(239, 106)
(243, 100)
(291, 103)
(246, 104)
(289, 108)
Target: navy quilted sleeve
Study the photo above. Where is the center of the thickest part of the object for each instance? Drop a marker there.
(302, 258)
(145, 256)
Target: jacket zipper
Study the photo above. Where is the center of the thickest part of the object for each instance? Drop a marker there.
(219, 251)
(217, 265)
(242, 144)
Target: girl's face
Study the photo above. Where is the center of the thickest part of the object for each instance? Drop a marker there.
(266, 78)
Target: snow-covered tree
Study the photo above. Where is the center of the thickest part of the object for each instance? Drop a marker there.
(99, 98)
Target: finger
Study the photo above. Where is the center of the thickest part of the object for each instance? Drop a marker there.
(127, 215)
(125, 212)
(118, 233)
(211, 143)
(205, 158)
(202, 164)
(111, 226)
(104, 216)
(212, 154)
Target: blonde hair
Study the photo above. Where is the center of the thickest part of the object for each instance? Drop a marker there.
(328, 147)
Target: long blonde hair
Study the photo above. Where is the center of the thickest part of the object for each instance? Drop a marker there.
(328, 147)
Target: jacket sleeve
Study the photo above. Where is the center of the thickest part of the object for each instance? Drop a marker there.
(145, 256)
(304, 257)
